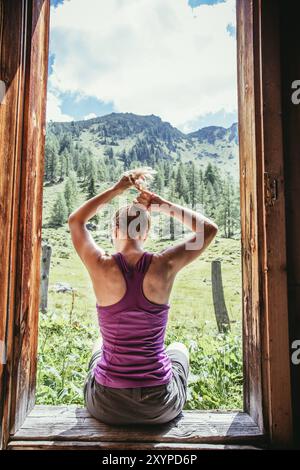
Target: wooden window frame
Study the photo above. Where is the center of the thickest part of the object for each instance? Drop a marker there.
(24, 27)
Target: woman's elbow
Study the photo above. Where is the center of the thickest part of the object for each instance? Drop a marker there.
(72, 219)
(212, 229)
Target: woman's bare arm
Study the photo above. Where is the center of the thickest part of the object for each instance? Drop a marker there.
(204, 229)
(89, 252)
(83, 242)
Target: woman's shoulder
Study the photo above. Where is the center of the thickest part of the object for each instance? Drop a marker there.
(160, 259)
(108, 261)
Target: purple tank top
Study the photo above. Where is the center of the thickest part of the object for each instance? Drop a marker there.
(133, 332)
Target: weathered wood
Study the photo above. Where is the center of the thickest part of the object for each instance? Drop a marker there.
(24, 58)
(30, 212)
(266, 348)
(251, 201)
(290, 71)
(69, 423)
(12, 72)
(44, 283)
(221, 313)
(81, 445)
(276, 367)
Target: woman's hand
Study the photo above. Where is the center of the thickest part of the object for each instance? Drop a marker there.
(150, 200)
(134, 178)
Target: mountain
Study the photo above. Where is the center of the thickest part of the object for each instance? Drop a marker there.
(212, 134)
(142, 138)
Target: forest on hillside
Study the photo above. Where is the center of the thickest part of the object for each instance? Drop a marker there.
(186, 182)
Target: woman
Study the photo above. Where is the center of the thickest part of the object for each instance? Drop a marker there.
(132, 377)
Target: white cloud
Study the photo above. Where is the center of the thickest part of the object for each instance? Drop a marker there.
(147, 56)
(90, 116)
(54, 112)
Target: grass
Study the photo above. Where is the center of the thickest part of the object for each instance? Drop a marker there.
(69, 328)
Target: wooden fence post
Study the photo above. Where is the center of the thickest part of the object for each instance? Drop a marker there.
(221, 313)
(45, 268)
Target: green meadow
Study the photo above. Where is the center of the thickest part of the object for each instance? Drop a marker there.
(68, 330)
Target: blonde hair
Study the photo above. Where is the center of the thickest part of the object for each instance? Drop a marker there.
(133, 220)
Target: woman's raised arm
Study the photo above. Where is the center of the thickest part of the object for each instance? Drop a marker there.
(204, 229)
(84, 244)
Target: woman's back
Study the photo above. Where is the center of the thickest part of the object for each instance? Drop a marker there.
(133, 320)
(133, 330)
(109, 283)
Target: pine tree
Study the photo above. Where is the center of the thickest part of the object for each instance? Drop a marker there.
(80, 172)
(59, 212)
(102, 171)
(51, 158)
(69, 163)
(209, 200)
(193, 179)
(66, 143)
(76, 157)
(65, 164)
(209, 175)
(167, 172)
(125, 158)
(181, 183)
(109, 152)
(201, 188)
(91, 188)
(227, 214)
(92, 192)
(70, 193)
(172, 198)
(159, 180)
(85, 158)
(91, 173)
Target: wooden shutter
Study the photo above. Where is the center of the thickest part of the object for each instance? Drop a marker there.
(266, 339)
(24, 30)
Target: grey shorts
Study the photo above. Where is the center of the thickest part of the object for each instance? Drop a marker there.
(152, 405)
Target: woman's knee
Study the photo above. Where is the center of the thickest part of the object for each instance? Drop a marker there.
(179, 347)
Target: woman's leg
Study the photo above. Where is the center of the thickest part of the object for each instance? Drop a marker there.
(96, 354)
(180, 358)
(177, 346)
(89, 385)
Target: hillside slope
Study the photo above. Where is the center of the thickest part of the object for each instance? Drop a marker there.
(135, 137)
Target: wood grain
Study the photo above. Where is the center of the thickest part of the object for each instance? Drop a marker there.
(220, 309)
(276, 358)
(12, 72)
(24, 59)
(25, 309)
(86, 445)
(45, 270)
(69, 423)
(266, 341)
(290, 69)
(251, 200)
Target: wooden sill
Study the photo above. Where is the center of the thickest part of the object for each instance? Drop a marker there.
(62, 427)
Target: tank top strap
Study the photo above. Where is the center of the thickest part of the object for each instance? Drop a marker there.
(144, 262)
(140, 267)
(120, 260)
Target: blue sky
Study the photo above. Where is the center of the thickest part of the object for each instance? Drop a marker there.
(175, 59)
(197, 3)
(56, 2)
